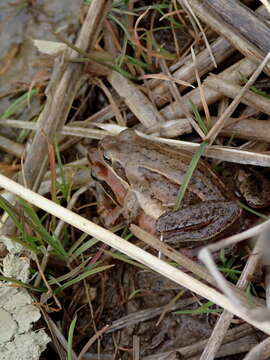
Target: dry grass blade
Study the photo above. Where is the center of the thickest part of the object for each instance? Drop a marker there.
(204, 103)
(225, 16)
(178, 98)
(220, 123)
(262, 314)
(136, 101)
(255, 101)
(66, 130)
(61, 92)
(187, 5)
(145, 315)
(231, 74)
(260, 351)
(216, 152)
(91, 341)
(194, 349)
(11, 147)
(266, 4)
(224, 321)
(167, 78)
(224, 153)
(221, 49)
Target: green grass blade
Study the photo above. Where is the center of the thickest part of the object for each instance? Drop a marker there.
(70, 338)
(198, 118)
(82, 277)
(124, 258)
(22, 284)
(71, 274)
(86, 246)
(35, 223)
(203, 309)
(18, 104)
(252, 211)
(195, 159)
(253, 88)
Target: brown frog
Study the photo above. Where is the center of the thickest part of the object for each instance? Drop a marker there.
(143, 177)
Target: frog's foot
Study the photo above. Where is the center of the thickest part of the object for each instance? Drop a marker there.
(131, 207)
(198, 223)
(111, 216)
(254, 187)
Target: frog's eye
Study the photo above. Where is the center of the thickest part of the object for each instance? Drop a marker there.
(107, 158)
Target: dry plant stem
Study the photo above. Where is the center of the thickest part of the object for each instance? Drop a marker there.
(243, 20)
(11, 147)
(136, 101)
(181, 259)
(191, 350)
(60, 97)
(179, 100)
(224, 321)
(221, 49)
(66, 130)
(147, 314)
(260, 351)
(172, 254)
(247, 129)
(267, 285)
(230, 90)
(62, 94)
(91, 341)
(234, 21)
(173, 111)
(204, 104)
(231, 74)
(234, 348)
(216, 152)
(136, 348)
(219, 152)
(205, 256)
(169, 129)
(230, 109)
(118, 116)
(131, 250)
(202, 33)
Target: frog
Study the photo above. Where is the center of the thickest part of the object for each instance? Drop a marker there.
(142, 177)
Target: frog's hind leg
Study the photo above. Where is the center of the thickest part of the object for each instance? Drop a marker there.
(202, 222)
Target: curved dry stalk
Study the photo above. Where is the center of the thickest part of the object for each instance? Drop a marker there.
(11, 147)
(225, 319)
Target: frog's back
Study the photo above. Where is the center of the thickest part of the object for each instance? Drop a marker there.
(170, 163)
